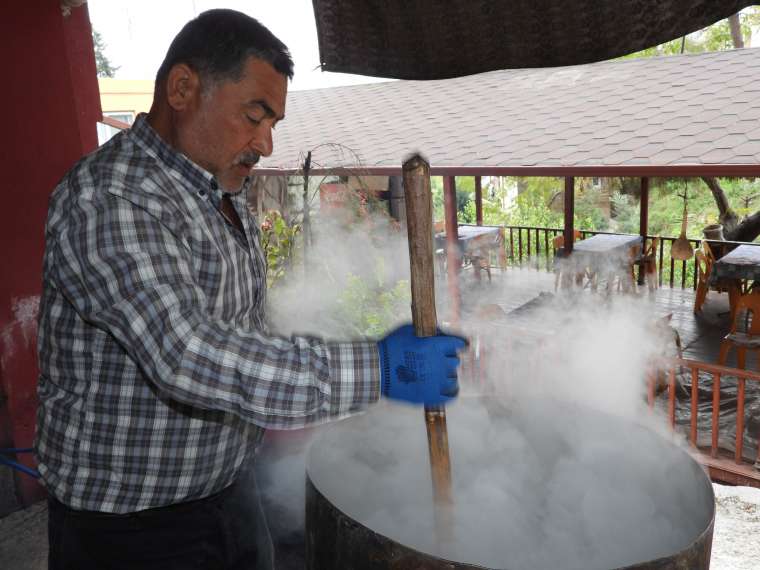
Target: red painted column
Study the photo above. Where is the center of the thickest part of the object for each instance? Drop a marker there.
(50, 96)
(478, 201)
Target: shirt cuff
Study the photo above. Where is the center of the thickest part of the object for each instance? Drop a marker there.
(354, 376)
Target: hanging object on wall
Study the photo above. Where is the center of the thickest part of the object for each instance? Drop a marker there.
(682, 249)
(67, 5)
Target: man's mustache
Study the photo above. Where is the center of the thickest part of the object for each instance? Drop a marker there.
(248, 159)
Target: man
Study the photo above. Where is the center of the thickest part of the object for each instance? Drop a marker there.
(158, 375)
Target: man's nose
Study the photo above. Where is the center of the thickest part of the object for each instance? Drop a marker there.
(262, 142)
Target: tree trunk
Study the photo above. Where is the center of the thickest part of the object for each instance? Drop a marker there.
(748, 230)
(736, 31)
(727, 216)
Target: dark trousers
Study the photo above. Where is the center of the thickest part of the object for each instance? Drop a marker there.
(220, 532)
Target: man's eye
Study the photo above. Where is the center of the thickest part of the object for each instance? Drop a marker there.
(253, 120)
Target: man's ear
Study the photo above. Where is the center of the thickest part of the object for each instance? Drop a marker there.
(182, 87)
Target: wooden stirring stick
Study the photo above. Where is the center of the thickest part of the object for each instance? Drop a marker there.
(419, 223)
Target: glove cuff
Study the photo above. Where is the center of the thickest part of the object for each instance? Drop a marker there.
(385, 368)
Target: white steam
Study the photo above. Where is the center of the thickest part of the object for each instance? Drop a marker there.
(555, 458)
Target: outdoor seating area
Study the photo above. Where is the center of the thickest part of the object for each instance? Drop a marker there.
(710, 387)
(479, 247)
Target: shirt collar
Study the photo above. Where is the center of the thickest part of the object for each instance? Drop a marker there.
(179, 165)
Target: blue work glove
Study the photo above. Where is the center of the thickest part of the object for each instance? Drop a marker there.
(420, 370)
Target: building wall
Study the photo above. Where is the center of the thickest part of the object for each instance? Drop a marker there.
(123, 99)
(125, 95)
(51, 100)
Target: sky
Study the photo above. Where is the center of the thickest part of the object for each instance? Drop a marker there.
(137, 34)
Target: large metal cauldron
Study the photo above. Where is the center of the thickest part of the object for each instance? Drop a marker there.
(607, 493)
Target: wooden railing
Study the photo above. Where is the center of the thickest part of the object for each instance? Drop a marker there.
(738, 471)
(529, 246)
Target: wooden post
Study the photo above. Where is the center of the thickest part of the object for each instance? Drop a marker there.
(453, 258)
(419, 223)
(306, 216)
(643, 222)
(569, 214)
(478, 202)
(644, 209)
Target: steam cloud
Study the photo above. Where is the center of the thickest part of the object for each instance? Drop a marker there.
(556, 461)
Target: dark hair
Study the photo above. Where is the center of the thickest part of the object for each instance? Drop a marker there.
(217, 43)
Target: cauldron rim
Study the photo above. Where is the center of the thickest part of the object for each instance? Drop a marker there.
(703, 538)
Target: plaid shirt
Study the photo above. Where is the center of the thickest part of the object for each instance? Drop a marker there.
(157, 373)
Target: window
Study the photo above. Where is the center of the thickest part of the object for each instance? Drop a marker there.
(105, 132)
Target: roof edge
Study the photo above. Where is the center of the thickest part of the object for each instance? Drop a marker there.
(667, 170)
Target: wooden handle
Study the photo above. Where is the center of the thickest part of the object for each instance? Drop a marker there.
(419, 224)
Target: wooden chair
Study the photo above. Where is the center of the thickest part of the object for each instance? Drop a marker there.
(671, 346)
(704, 262)
(440, 253)
(626, 279)
(558, 242)
(648, 263)
(749, 339)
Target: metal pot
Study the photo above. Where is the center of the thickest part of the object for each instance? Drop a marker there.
(714, 232)
(347, 490)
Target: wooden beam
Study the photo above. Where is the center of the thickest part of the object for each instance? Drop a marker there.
(644, 209)
(628, 171)
(453, 258)
(478, 202)
(569, 214)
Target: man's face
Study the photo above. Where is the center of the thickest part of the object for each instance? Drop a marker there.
(229, 126)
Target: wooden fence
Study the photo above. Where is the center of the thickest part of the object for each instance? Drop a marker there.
(737, 470)
(529, 246)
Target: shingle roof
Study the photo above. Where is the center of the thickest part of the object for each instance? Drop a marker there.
(688, 112)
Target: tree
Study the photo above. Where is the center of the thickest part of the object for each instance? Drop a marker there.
(733, 30)
(104, 67)
(539, 200)
(731, 33)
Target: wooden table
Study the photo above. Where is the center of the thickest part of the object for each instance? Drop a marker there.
(475, 240)
(736, 269)
(605, 254)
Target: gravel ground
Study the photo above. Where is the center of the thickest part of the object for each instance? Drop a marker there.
(23, 539)
(736, 542)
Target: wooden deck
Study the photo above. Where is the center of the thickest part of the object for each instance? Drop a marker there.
(514, 294)
(515, 288)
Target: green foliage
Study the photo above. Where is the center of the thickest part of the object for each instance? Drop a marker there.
(716, 37)
(625, 212)
(588, 212)
(465, 192)
(666, 205)
(280, 244)
(371, 308)
(104, 67)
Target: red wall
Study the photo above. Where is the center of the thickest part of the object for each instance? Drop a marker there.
(51, 104)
